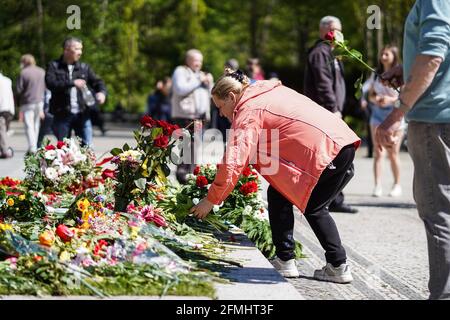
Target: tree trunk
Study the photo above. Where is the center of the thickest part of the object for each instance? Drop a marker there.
(254, 28)
(40, 22)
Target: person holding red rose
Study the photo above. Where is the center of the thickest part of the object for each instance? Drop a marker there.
(313, 161)
(324, 83)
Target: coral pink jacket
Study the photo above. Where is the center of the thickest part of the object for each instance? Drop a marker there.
(288, 138)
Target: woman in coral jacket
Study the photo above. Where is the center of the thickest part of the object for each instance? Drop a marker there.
(304, 151)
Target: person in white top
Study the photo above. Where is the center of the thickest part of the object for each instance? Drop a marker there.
(191, 98)
(6, 114)
(381, 103)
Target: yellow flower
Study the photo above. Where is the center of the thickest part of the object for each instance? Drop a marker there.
(134, 232)
(22, 197)
(85, 225)
(83, 204)
(64, 256)
(10, 202)
(4, 227)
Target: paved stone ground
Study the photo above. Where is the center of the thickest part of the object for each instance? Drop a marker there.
(385, 241)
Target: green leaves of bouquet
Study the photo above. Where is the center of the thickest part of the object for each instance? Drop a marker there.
(146, 164)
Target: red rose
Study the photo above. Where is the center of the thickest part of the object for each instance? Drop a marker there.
(249, 187)
(108, 173)
(173, 128)
(64, 233)
(50, 147)
(147, 121)
(201, 181)
(60, 144)
(161, 141)
(197, 170)
(330, 36)
(247, 172)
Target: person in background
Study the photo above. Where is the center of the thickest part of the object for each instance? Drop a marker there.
(381, 102)
(70, 82)
(324, 83)
(191, 99)
(158, 103)
(424, 100)
(6, 114)
(31, 90)
(254, 70)
(46, 123)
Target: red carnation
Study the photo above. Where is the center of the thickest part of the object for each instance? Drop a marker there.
(50, 147)
(108, 173)
(161, 141)
(247, 172)
(147, 121)
(330, 36)
(60, 144)
(249, 187)
(201, 181)
(197, 170)
(9, 182)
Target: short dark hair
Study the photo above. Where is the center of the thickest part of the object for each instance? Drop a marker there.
(69, 40)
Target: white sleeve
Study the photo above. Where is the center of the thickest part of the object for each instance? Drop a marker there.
(182, 86)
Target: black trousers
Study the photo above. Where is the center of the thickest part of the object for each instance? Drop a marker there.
(333, 179)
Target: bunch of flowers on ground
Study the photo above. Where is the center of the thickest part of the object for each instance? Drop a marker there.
(63, 167)
(145, 164)
(71, 228)
(244, 207)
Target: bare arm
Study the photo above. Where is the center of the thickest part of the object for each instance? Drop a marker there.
(422, 74)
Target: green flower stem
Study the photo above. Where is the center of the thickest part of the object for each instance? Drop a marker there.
(361, 61)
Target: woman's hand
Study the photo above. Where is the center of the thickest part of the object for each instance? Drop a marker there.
(202, 209)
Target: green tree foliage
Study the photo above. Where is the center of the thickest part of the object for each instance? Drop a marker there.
(132, 43)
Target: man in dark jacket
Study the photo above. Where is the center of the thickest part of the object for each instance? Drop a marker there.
(324, 83)
(70, 82)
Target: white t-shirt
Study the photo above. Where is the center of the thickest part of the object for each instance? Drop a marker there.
(74, 106)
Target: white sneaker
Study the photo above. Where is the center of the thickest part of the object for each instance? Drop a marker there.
(396, 191)
(377, 191)
(341, 274)
(287, 269)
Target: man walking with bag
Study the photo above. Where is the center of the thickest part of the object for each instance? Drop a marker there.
(70, 82)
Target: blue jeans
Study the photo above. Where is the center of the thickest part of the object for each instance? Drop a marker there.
(81, 124)
(429, 147)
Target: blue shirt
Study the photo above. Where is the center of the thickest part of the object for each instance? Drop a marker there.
(427, 32)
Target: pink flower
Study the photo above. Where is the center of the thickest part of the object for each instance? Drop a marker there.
(108, 173)
(13, 262)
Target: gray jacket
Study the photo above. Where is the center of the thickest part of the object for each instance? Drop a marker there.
(190, 98)
(31, 85)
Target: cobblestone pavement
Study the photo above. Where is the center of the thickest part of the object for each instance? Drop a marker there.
(385, 241)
